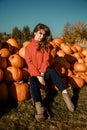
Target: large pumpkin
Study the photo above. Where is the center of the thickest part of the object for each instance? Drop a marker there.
(4, 52)
(25, 74)
(74, 81)
(80, 67)
(57, 40)
(13, 42)
(3, 62)
(14, 45)
(12, 73)
(16, 60)
(22, 52)
(19, 91)
(1, 74)
(3, 92)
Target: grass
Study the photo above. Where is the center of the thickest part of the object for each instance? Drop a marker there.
(20, 115)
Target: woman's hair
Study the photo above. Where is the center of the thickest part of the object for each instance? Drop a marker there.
(47, 36)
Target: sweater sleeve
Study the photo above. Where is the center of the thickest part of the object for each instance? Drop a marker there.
(31, 68)
(46, 63)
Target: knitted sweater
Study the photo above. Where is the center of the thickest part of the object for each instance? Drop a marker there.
(37, 61)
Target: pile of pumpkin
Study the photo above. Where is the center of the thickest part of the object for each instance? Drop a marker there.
(13, 72)
(69, 60)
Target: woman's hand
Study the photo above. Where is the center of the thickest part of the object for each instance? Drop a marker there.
(41, 80)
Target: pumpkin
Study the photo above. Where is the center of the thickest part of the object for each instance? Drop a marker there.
(13, 42)
(80, 67)
(16, 60)
(25, 74)
(84, 52)
(73, 48)
(57, 40)
(83, 76)
(3, 62)
(60, 53)
(26, 43)
(1, 74)
(69, 72)
(53, 44)
(12, 73)
(70, 58)
(74, 81)
(15, 46)
(3, 92)
(53, 52)
(67, 49)
(4, 52)
(19, 91)
(22, 52)
(78, 47)
(63, 62)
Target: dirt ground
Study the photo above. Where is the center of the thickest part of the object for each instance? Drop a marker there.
(20, 115)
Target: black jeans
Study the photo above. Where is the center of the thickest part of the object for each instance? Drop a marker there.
(51, 75)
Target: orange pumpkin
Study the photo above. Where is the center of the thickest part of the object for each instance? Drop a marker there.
(1, 74)
(78, 47)
(84, 52)
(25, 74)
(3, 92)
(19, 91)
(74, 81)
(22, 52)
(14, 45)
(4, 52)
(3, 62)
(80, 67)
(57, 40)
(63, 62)
(12, 73)
(26, 43)
(13, 42)
(16, 60)
(60, 53)
(67, 49)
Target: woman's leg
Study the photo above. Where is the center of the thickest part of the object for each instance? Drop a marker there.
(36, 95)
(52, 75)
(35, 89)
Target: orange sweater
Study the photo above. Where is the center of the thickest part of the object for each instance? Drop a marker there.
(37, 61)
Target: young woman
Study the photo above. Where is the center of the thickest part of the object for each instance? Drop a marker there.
(41, 70)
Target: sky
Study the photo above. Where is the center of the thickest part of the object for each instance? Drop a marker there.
(54, 13)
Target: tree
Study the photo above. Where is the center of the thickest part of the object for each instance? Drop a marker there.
(26, 34)
(16, 34)
(76, 33)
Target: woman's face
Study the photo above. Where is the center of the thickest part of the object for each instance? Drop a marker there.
(39, 35)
